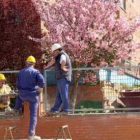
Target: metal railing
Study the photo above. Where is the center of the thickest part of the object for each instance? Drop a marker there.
(114, 89)
(11, 77)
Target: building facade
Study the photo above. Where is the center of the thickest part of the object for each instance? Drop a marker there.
(130, 9)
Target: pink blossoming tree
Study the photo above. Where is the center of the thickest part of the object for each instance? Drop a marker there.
(90, 31)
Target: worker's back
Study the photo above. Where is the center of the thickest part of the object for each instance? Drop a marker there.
(29, 79)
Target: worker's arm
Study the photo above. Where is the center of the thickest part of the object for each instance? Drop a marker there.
(63, 63)
(63, 66)
(41, 82)
(50, 66)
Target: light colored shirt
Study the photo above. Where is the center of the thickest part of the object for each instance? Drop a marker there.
(62, 58)
(5, 89)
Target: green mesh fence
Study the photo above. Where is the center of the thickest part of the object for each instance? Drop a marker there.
(89, 105)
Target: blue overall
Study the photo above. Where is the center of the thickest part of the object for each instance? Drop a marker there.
(61, 95)
(28, 81)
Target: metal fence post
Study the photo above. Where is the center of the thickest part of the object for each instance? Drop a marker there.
(45, 97)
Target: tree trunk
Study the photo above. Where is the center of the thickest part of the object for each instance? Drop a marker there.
(73, 95)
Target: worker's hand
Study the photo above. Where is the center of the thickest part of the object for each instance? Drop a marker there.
(40, 90)
(65, 68)
(4, 99)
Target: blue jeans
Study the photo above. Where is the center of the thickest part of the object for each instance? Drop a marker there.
(33, 99)
(61, 95)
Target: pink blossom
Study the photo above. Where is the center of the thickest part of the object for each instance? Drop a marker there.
(127, 64)
(90, 31)
(120, 72)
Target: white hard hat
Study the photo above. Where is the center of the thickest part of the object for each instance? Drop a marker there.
(55, 47)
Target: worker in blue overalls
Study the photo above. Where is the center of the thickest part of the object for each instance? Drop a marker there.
(30, 83)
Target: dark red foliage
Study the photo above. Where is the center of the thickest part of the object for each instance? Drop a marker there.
(18, 20)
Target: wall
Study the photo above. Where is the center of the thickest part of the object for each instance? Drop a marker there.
(94, 127)
(90, 93)
(131, 11)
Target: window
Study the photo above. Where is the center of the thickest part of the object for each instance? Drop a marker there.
(11, 14)
(14, 17)
(132, 69)
(123, 4)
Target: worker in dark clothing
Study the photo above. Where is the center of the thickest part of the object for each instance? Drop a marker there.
(30, 83)
(63, 72)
